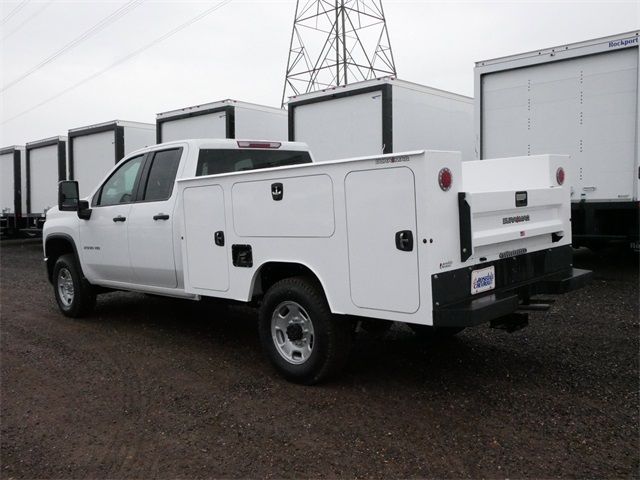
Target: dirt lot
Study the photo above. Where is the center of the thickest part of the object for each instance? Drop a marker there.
(151, 387)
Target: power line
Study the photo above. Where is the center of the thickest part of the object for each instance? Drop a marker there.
(15, 10)
(34, 15)
(162, 38)
(101, 25)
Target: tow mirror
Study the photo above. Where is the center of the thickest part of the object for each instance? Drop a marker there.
(69, 199)
(68, 196)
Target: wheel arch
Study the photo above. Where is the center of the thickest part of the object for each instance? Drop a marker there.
(271, 272)
(55, 246)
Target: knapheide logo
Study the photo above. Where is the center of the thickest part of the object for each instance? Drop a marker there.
(516, 219)
(623, 43)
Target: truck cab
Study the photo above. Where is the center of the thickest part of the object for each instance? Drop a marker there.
(128, 238)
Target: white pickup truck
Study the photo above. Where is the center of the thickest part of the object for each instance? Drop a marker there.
(419, 237)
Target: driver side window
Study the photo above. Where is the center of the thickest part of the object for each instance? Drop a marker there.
(118, 189)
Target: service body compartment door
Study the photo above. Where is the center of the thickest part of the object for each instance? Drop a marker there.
(304, 207)
(381, 219)
(207, 265)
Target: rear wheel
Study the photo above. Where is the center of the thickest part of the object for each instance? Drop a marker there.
(301, 337)
(74, 295)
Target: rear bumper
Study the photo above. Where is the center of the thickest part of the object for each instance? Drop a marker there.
(565, 281)
(517, 278)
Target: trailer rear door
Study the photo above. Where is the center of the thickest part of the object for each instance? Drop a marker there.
(383, 269)
(211, 125)
(43, 174)
(93, 156)
(7, 185)
(586, 107)
(341, 128)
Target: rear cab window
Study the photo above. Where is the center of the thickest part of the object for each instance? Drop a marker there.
(216, 161)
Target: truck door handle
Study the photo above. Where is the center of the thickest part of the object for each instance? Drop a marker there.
(119, 218)
(219, 238)
(161, 216)
(404, 240)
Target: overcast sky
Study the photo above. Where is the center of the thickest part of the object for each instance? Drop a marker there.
(240, 51)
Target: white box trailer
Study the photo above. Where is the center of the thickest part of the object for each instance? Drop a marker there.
(579, 99)
(12, 189)
(46, 165)
(384, 115)
(95, 149)
(223, 119)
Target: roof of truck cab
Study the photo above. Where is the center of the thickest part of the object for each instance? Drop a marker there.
(390, 80)
(219, 104)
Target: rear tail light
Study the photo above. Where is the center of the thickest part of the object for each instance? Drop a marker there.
(560, 175)
(445, 179)
(251, 144)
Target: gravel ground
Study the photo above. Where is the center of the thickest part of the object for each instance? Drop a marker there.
(157, 388)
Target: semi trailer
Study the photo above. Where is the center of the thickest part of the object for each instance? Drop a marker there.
(579, 99)
(418, 237)
(223, 119)
(46, 165)
(384, 115)
(12, 189)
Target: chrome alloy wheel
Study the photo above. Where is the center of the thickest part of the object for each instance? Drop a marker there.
(65, 287)
(292, 332)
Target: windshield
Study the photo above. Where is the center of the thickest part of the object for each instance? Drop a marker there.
(214, 161)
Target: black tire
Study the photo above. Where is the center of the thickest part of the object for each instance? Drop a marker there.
(427, 332)
(83, 298)
(331, 339)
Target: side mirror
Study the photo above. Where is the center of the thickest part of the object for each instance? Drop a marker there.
(69, 199)
(68, 196)
(84, 212)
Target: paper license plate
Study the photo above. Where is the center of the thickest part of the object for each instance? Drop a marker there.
(483, 280)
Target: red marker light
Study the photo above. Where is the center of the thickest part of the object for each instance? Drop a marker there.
(251, 144)
(560, 175)
(445, 179)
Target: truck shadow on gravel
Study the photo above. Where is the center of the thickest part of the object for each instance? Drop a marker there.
(397, 357)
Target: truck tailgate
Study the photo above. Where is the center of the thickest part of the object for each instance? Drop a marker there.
(517, 213)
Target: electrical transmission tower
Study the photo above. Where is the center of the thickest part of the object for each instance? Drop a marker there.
(336, 42)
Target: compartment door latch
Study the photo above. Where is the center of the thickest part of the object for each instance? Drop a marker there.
(404, 240)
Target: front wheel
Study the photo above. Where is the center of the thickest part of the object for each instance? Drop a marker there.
(74, 295)
(301, 337)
